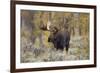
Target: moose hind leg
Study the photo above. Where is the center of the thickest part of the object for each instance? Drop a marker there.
(67, 47)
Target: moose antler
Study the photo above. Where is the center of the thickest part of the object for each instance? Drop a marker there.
(46, 27)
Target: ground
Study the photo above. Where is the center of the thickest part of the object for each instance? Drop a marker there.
(77, 51)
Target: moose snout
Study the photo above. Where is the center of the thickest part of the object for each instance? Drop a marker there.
(49, 40)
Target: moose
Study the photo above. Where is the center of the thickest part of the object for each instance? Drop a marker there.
(59, 38)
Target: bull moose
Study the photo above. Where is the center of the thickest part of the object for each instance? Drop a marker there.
(59, 38)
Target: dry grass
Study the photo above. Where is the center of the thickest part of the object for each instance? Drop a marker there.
(31, 53)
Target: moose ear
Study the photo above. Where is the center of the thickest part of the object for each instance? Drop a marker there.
(55, 30)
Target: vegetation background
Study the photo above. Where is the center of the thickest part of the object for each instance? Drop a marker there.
(34, 41)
